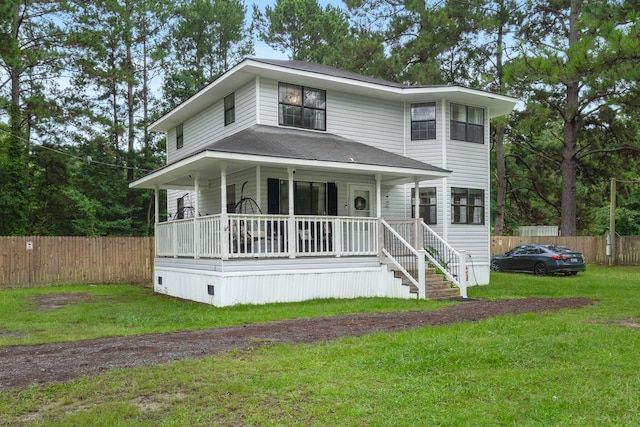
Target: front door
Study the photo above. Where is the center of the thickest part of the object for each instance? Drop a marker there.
(361, 201)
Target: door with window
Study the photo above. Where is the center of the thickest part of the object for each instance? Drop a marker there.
(361, 200)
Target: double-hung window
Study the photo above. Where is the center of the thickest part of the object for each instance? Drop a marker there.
(428, 205)
(229, 109)
(423, 121)
(467, 123)
(302, 107)
(179, 136)
(467, 206)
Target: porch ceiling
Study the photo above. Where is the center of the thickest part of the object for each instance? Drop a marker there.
(287, 147)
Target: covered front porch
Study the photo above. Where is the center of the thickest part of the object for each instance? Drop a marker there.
(342, 248)
(407, 246)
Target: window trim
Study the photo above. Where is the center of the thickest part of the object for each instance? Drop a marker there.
(468, 135)
(180, 136)
(434, 121)
(469, 208)
(303, 108)
(429, 220)
(229, 109)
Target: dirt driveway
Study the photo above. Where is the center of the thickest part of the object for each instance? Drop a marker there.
(60, 362)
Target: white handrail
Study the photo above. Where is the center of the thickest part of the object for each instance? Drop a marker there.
(419, 255)
(459, 280)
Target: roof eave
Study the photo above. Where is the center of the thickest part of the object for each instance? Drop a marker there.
(162, 178)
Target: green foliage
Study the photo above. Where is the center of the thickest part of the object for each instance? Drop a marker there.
(208, 37)
(576, 63)
(306, 31)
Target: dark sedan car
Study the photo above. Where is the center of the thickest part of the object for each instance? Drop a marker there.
(540, 260)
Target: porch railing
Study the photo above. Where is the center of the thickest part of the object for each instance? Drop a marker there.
(407, 259)
(439, 254)
(264, 236)
(445, 258)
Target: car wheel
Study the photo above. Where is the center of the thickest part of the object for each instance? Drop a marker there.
(540, 269)
(573, 273)
(495, 266)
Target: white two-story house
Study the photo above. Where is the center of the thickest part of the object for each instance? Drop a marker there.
(288, 181)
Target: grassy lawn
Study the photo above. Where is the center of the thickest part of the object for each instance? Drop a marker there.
(570, 368)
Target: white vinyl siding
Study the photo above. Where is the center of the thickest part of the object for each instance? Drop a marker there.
(375, 122)
(208, 126)
(470, 165)
(371, 121)
(427, 150)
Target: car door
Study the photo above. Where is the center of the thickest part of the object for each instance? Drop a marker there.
(530, 258)
(511, 258)
(520, 258)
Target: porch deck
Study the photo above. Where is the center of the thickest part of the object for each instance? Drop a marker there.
(408, 246)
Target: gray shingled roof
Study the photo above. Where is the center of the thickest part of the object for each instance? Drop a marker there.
(333, 72)
(292, 143)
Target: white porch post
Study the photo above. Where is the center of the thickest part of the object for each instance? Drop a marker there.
(417, 242)
(156, 208)
(156, 203)
(196, 214)
(378, 196)
(225, 231)
(292, 222)
(258, 180)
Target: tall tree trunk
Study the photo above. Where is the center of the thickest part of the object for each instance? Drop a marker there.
(145, 98)
(130, 111)
(570, 135)
(569, 165)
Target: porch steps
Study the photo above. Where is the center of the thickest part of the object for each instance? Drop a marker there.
(437, 287)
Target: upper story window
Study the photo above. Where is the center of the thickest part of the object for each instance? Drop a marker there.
(302, 107)
(423, 121)
(467, 206)
(467, 123)
(179, 137)
(229, 109)
(428, 205)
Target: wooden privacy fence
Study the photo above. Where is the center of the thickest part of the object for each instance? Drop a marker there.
(594, 248)
(41, 261)
(37, 261)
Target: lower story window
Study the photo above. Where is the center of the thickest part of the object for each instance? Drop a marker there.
(428, 205)
(467, 206)
(310, 198)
